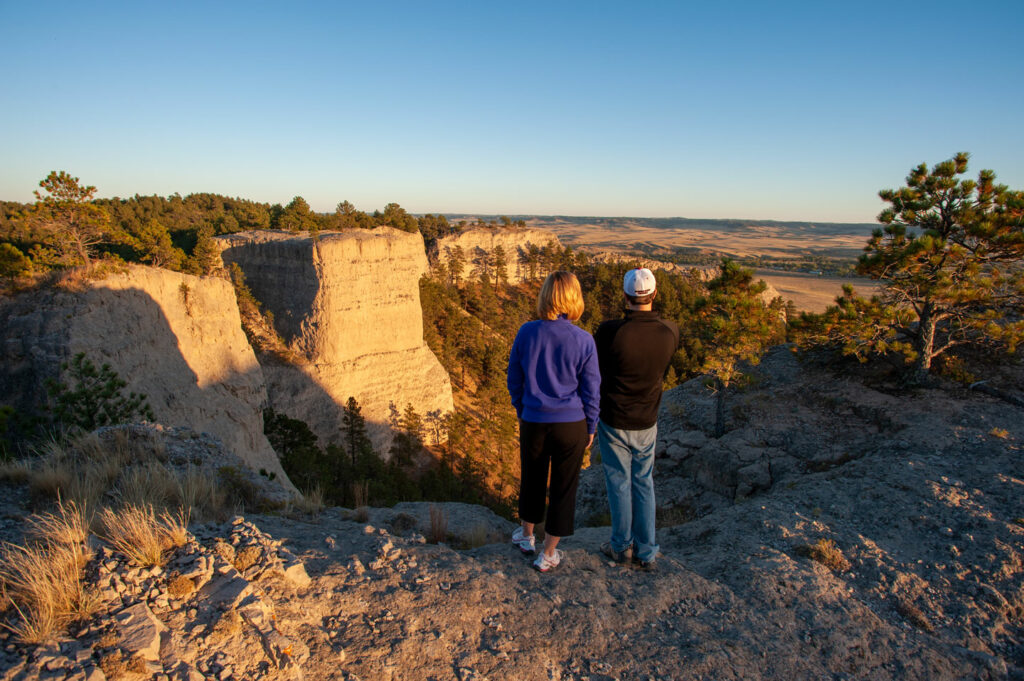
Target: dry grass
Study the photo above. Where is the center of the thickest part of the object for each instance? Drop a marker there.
(141, 535)
(826, 552)
(201, 495)
(228, 626)
(477, 537)
(51, 480)
(180, 587)
(360, 493)
(310, 503)
(150, 483)
(247, 557)
(670, 516)
(130, 469)
(913, 614)
(68, 525)
(43, 580)
(17, 472)
(438, 531)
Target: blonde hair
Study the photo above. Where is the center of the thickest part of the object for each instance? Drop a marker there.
(560, 294)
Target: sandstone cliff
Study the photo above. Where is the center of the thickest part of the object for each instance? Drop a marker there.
(476, 243)
(174, 337)
(349, 304)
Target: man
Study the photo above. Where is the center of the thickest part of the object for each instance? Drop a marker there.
(633, 354)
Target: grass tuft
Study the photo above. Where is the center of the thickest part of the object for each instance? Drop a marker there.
(1001, 433)
(43, 580)
(438, 531)
(150, 483)
(141, 535)
(201, 496)
(310, 503)
(18, 472)
(826, 552)
(914, 615)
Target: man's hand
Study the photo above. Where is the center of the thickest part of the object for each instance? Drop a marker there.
(590, 441)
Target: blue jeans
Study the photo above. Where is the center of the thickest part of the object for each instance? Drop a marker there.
(628, 460)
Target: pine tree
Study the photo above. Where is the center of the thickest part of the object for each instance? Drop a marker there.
(75, 225)
(13, 263)
(354, 428)
(950, 260)
(500, 262)
(94, 397)
(734, 325)
(205, 258)
(456, 264)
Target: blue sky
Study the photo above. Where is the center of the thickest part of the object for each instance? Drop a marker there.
(782, 110)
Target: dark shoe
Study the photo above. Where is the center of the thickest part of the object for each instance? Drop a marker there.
(646, 565)
(624, 556)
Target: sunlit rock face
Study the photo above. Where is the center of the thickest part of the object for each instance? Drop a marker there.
(479, 242)
(174, 337)
(348, 304)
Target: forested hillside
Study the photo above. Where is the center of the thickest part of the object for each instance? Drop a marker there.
(68, 226)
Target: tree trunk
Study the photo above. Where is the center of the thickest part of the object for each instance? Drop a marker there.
(925, 344)
(720, 408)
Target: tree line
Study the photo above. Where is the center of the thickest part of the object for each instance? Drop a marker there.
(67, 226)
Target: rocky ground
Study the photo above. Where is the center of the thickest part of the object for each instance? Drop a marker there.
(920, 495)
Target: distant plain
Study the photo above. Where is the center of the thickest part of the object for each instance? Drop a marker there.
(734, 238)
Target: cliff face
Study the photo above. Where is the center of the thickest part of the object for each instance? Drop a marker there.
(476, 243)
(349, 304)
(174, 337)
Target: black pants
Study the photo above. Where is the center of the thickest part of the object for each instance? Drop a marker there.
(558, 447)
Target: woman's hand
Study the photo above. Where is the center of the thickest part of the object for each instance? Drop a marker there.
(590, 441)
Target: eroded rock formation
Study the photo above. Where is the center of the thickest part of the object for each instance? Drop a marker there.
(174, 337)
(480, 242)
(349, 304)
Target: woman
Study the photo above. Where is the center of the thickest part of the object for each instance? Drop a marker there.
(554, 382)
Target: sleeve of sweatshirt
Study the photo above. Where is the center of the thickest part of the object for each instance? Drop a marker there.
(515, 378)
(589, 379)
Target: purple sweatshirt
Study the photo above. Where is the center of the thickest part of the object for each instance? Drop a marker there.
(553, 375)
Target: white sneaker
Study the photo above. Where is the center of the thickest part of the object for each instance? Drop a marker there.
(546, 563)
(525, 544)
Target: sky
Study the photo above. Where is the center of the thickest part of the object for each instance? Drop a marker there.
(759, 110)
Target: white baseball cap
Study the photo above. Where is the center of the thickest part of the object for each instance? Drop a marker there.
(639, 282)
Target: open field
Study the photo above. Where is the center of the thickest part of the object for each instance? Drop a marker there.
(810, 292)
(736, 238)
